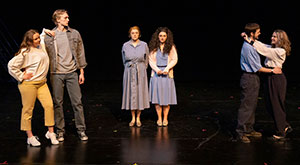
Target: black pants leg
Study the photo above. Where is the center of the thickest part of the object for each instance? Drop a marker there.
(276, 92)
(250, 84)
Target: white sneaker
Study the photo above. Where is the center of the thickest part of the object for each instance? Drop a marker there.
(33, 141)
(52, 137)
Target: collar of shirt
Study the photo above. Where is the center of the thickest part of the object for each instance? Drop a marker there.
(138, 44)
(68, 29)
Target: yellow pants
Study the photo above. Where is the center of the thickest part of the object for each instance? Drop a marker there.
(29, 92)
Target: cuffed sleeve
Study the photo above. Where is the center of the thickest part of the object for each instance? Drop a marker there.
(123, 55)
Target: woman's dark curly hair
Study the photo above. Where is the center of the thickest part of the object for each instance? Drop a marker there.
(155, 43)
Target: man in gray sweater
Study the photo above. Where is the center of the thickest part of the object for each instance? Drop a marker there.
(66, 53)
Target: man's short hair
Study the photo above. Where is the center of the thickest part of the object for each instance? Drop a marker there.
(57, 13)
(251, 27)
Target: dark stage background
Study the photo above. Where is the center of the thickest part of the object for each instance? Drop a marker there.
(207, 34)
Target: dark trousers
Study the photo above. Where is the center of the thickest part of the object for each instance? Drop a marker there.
(275, 91)
(249, 84)
(58, 82)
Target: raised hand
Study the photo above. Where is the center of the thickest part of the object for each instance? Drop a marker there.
(50, 32)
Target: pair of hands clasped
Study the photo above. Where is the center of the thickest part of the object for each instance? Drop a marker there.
(162, 72)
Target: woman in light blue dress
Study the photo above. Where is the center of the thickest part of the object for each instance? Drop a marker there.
(162, 59)
(135, 86)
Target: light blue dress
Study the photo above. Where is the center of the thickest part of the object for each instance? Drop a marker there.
(162, 88)
(135, 82)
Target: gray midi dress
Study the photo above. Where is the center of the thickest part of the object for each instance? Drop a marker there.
(162, 88)
(135, 83)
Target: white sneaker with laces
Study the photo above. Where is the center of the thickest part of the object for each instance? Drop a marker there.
(52, 137)
(33, 141)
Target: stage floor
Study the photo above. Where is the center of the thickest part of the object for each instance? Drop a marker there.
(201, 129)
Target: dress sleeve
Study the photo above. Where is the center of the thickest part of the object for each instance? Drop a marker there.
(123, 55)
(147, 56)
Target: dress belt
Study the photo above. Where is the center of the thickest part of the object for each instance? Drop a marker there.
(134, 70)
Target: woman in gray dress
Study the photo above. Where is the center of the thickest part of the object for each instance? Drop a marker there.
(135, 86)
(162, 59)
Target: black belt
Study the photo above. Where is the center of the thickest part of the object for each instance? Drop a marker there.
(249, 72)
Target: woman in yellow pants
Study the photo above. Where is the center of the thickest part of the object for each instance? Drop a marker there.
(29, 67)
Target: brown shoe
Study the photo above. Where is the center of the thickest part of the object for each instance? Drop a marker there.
(159, 123)
(165, 123)
(131, 124)
(244, 139)
(253, 134)
(138, 124)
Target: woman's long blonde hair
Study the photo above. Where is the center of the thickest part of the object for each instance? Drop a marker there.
(283, 41)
